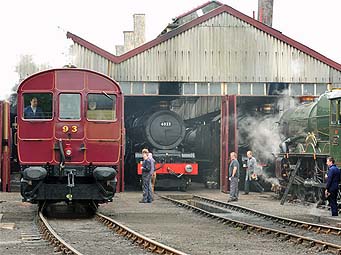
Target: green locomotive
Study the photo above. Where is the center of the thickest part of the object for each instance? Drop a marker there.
(312, 133)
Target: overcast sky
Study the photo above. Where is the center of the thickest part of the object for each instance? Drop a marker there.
(38, 27)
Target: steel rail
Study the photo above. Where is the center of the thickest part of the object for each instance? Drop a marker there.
(290, 222)
(260, 229)
(142, 241)
(50, 235)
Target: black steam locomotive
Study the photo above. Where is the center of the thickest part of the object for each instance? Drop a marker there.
(162, 132)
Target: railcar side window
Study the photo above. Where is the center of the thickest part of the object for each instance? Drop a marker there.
(101, 107)
(70, 106)
(37, 106)
(333, 112)
(338, 115)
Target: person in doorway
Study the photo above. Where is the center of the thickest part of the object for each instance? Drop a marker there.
(251, 175)
(233, 177)
(146, 178)
(33, 111)
(332, 186)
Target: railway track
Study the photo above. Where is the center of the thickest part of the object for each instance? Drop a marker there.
(92, 239)
(313, 235)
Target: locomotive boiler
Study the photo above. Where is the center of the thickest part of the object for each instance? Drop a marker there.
(162, 131)
(311, 134)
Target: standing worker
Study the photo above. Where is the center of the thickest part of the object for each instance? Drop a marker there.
(332, 186)
(251, 175)
(152, 172)
(146, 178)
(233, 177)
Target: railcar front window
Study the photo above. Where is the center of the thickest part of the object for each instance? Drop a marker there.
(70, 106)
(101, 107)
(37, 106)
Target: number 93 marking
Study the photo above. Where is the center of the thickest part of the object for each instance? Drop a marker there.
(74, 129)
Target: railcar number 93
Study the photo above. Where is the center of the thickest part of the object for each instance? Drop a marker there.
(74, 129)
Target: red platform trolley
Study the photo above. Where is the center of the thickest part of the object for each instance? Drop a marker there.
(70, 136)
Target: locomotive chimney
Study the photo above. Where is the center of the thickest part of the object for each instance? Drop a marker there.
(164, 105)
(265, 11)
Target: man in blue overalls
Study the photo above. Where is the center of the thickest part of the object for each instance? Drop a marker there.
(146, 178)
(233, 177)
(332, 187)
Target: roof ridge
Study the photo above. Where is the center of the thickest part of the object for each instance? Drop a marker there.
(223, 8)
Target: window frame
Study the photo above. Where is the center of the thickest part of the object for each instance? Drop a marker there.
(333, 112)
(35, 93)
(87, 105)
(80, 106)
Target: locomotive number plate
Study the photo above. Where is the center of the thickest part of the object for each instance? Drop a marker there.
(165, 124)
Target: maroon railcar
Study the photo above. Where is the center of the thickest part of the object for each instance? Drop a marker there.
(70, 136)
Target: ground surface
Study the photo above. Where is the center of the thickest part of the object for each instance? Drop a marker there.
(166, 223)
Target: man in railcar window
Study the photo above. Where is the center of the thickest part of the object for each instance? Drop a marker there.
(33, 111)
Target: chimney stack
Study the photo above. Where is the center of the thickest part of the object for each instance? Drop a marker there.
(135, 38)
(139, 30)
(265, 11)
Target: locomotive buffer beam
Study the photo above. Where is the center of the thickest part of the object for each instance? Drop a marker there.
(168, 153)
(291, 180)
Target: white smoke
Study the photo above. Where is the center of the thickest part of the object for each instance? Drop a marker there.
(262, 134)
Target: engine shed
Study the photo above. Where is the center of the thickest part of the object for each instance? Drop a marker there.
(221, 71)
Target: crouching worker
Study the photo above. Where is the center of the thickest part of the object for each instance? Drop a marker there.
(146, 178)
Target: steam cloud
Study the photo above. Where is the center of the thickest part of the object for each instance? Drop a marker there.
(262, 135)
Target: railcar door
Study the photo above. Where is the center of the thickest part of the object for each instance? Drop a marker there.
(70, 128)
(35, 127)
(103, 129)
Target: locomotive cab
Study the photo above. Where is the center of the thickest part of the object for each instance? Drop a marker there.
(335, 125)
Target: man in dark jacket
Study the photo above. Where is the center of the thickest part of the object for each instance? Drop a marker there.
(33, 111)
(332, 186)
(146, 178)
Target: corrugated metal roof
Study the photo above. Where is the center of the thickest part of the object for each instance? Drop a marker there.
(224, 8)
